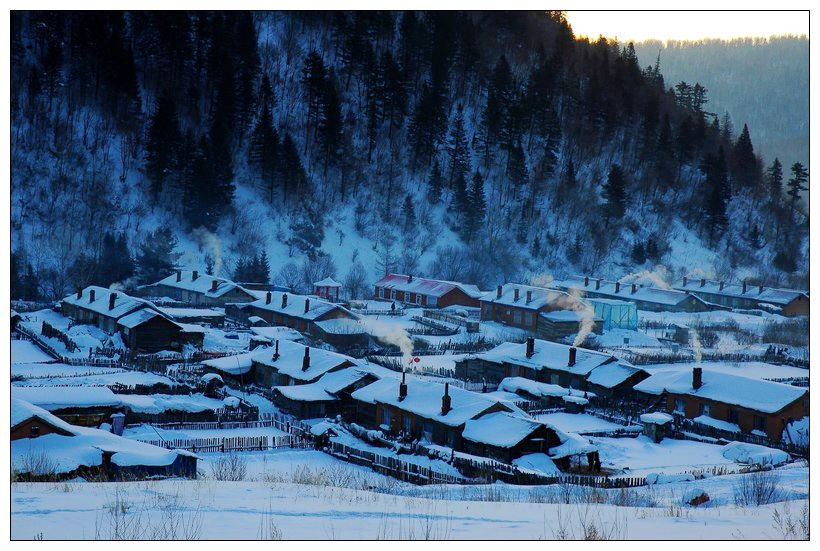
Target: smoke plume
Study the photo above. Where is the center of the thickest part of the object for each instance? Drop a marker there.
(210, 243)
(390, 334)
(697, 348)
(572, 301)
(658, 277)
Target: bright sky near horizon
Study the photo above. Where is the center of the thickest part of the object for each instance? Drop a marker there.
(638, 26)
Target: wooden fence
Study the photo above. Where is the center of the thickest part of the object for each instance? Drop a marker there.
(434, 328)
(236, 443)
(687, 429)
(391, 466)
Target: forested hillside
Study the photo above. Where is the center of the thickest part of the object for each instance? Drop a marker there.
(762, 82)
(484, 147)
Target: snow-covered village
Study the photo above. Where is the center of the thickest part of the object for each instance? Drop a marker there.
(397, 275)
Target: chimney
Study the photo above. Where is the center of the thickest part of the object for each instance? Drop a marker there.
(530, 347)
(276, 351)
(617, 287)
(410, 278)
(111, 299)
(214, 285)
(721, 285)
(744, 286)
(307, 305)
(402, 388)
(445, 400)
(702, 282)
(267, 297)
(179, 276)
(572, 351)
(306, 360)
(498, 292)
(515, 294)
(760, 290)
(80, 293)
(91, 294)
(634, 288)
(685, 281)
(284, 300)
(586, 281)
(529, 297)
(194, 276)
(597, 284)
(697, 377)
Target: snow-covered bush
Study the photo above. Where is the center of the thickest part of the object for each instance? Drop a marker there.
(758, 488)
(230, 467)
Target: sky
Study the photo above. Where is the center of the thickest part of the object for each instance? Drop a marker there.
(682, 25)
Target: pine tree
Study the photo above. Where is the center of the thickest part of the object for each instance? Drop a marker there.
(457, 149)
(115, 264)
(774, 181)
(478, 203)
(435, 184)
(615, 193)
(263, 150)
(746, 172)
(408, 214)
(717, 192)
(331, 125)
(314, 75)
(295, 182)
(307, 231)
(427, 126)
(162, 145)
(800, 176)
(495, 114)
(157, 256)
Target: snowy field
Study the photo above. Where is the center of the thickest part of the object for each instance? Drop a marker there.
(577, 422)
(309, 495)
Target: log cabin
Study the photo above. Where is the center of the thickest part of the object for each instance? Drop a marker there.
(649, 298)
(728, 402)
(426, 293)
(329, 396)
(197, 288)
(520, 305)
(788, 302)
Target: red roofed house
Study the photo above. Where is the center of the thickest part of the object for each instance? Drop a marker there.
(428, 293)
(327, 289)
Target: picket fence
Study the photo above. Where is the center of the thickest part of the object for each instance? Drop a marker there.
(236, 443)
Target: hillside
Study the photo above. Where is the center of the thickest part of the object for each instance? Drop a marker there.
(293, 146)
(764, 83)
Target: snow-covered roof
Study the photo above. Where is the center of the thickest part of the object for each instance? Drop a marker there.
(571, 444)
(424, 399)
(123, 304)
(327, 282)
(203, 284)
(754, 394)
(290, 359)
(769, 295)
(535, 388)
(325, 388)
(500, 429)
(278, 332)
(296, 306)
(612, 374)
(425, 286)
(55, 397)
(84, 446)
(550, 355)
(559, 316)
(237, 364)
(613, 289)
(184, 313)
(656, 418)
(22, 411)
(539, 297)
(139, 317)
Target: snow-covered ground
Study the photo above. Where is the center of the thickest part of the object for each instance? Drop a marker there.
(577, 422)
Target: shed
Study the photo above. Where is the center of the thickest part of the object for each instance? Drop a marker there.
(615, 314)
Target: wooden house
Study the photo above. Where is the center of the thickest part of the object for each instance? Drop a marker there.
(291, 363)
(788, 302)
(520, 305)
(548, 362)
(426, 293)
(650, 298)
(198, 289)
(327, 397)
(504, 436)
(313, 317)
(328, 289)
(102, 307)
(421, 410)
(150, 331)
(200, 316)
(728, 402)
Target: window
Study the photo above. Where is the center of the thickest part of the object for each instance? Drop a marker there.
(679, 407)
(555, 379)
(427, 431)
(407, 424)
(528, 318)
(381, 292)
(705, 409)
(760, 423)
(733, 416)
(432, 301)
(34, 431)
(418, 298)
(386, 417)
(392, 294)
(517, 318)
